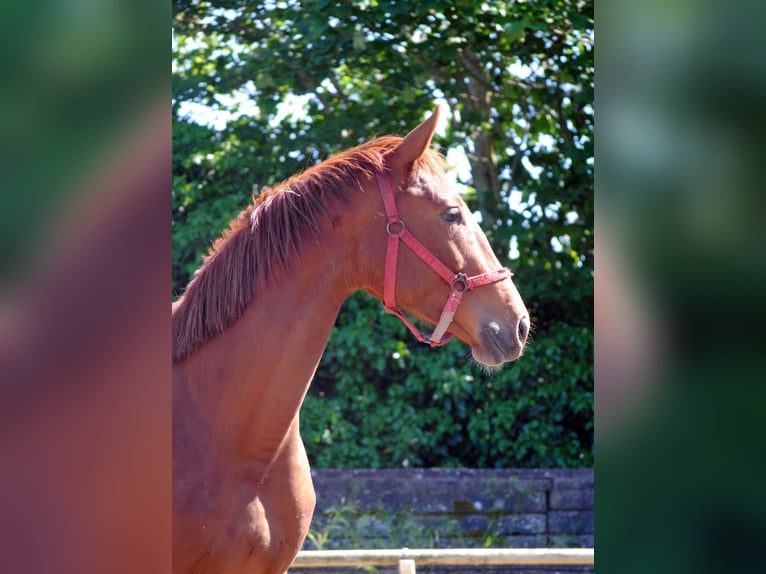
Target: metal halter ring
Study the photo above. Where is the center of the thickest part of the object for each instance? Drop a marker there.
(460, 278)
(401, 229)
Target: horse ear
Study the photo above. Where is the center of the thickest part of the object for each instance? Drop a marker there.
(414, 143)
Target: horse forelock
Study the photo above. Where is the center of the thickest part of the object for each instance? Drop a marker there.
(267, 237)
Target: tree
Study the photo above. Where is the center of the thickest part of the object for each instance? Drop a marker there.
(517, 78)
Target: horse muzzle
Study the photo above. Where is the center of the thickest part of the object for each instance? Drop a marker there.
(498, 345)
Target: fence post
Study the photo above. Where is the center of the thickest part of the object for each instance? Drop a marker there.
(406, 566)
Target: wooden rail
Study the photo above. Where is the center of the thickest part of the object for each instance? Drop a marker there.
(406, 558)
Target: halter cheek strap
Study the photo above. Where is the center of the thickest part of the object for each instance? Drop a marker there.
(459, 283)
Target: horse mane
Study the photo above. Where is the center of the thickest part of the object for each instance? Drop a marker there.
(268, 235)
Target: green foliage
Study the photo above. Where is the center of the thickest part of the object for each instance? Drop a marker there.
(379, 400)
(517, 79)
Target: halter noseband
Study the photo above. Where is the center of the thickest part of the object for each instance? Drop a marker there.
(459, 282)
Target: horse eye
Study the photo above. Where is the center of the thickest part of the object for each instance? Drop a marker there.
(453, 215)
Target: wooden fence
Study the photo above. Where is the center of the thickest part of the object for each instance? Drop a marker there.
(406, 558)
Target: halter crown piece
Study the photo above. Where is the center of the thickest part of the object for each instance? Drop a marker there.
(458, 282)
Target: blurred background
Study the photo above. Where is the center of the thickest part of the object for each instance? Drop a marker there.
(679, 292)
(85, 142)
(679, 307)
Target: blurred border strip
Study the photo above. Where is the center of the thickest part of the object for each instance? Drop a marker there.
(85, 173)
(680, 278)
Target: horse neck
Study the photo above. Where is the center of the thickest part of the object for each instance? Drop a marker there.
(242, 390)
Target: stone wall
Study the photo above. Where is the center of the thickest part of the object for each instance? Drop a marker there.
(442, 508)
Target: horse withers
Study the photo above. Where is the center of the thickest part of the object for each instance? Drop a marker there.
(253, 323)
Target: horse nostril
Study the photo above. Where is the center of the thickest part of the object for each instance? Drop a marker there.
(523, 329)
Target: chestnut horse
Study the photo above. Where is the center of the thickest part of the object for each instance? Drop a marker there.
(253, 323)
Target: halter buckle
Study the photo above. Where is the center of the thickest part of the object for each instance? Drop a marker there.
(461, 279)
(398, 222)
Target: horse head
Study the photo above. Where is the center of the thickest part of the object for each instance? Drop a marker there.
(448, 257)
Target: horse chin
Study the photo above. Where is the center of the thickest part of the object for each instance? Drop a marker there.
(490, 359)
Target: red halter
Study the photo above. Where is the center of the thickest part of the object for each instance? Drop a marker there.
(459, 282)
